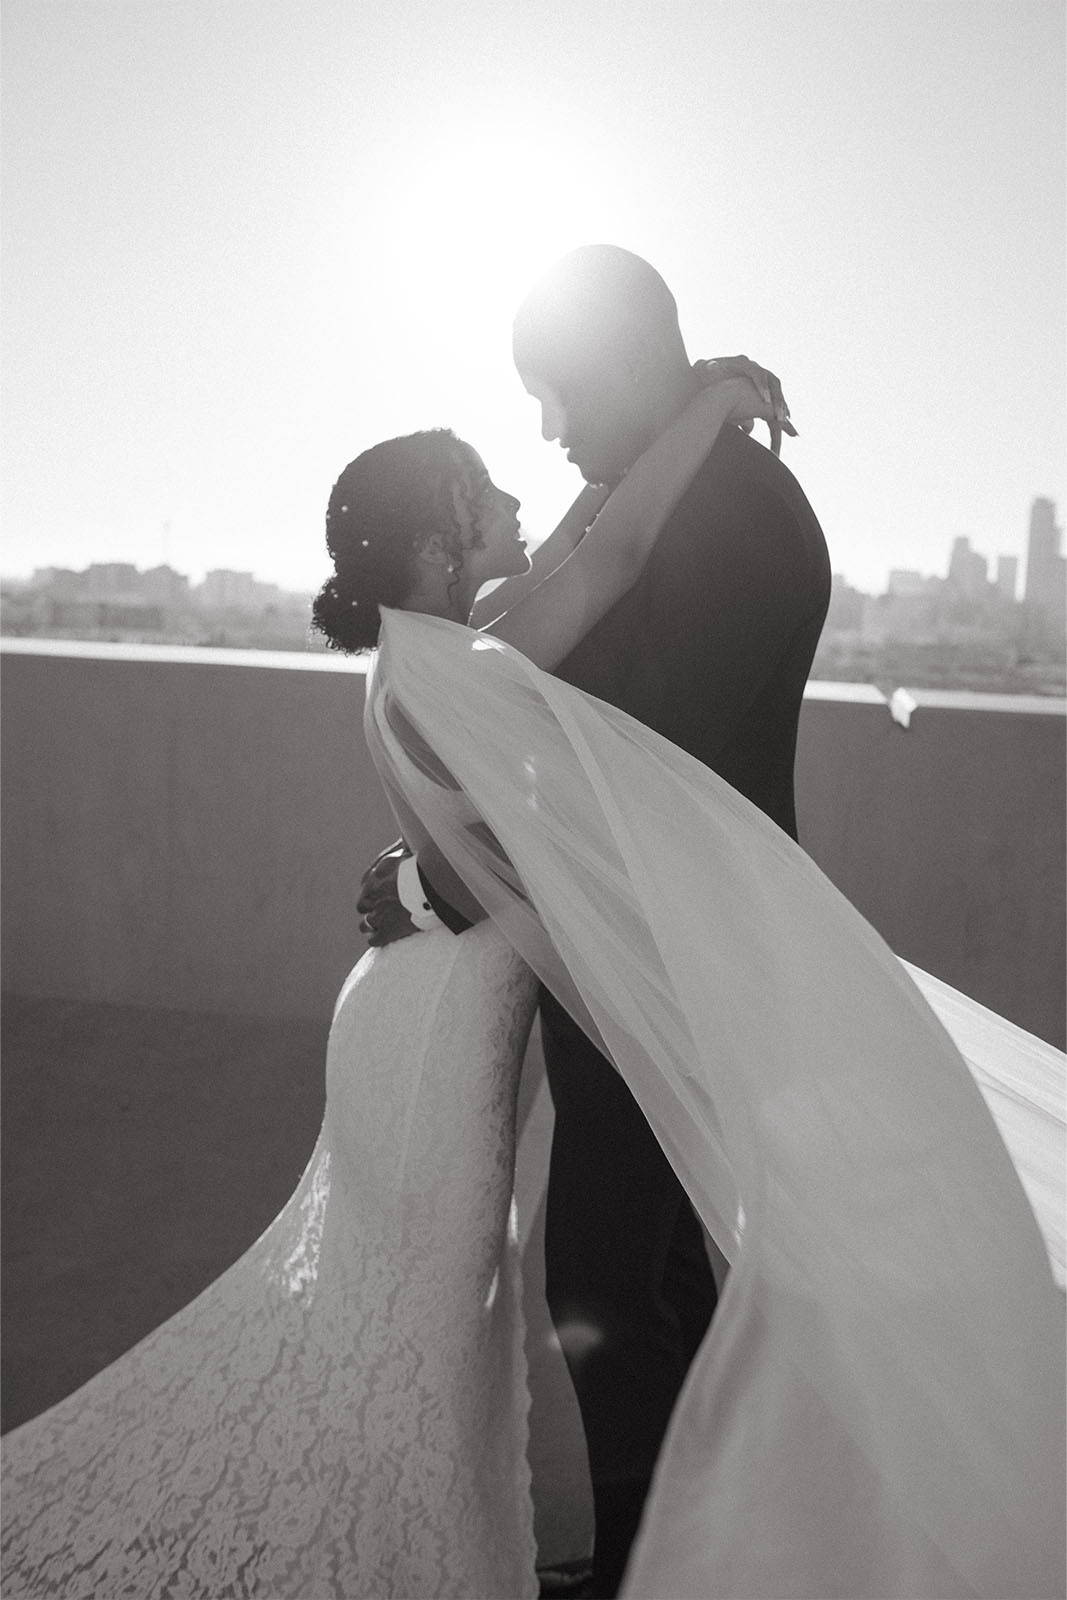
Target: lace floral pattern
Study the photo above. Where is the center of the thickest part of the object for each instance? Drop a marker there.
(344, 1411)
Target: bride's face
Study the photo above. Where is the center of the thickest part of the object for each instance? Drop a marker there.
(488, 518)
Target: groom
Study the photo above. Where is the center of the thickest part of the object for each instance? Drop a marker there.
(711, 648)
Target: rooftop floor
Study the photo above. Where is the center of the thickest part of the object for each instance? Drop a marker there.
(143, 1151)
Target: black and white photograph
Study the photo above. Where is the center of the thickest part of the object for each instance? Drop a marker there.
(534, 692)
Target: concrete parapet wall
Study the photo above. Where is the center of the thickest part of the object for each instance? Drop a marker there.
(948, 834)
(184, 833)
(187, 829)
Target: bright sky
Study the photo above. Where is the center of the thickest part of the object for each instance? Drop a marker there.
(247, 238)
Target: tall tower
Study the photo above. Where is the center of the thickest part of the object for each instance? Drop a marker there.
(1042, 549)
(1046, 569)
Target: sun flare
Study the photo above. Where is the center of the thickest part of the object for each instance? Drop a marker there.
(461, 215)
(444, 240)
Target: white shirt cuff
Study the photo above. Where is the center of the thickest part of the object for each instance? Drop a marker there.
(409, 892)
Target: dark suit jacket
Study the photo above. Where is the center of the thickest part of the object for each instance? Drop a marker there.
(712, 645)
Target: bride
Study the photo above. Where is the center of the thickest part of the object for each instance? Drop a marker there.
(343, 1412)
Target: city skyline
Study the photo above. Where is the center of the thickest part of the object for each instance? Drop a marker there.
(1042, 518)
(244, 242)
(1035, 578)
(197, 573)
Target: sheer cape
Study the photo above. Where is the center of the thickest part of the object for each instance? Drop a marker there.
(878, 1407)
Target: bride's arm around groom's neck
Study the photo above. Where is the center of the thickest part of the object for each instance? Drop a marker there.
(548, 555)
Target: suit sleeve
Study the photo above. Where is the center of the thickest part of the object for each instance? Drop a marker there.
(453, 920)
(731, 585)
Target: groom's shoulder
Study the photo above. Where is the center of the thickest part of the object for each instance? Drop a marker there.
(743, 512)
(740, 458)
(741, 478)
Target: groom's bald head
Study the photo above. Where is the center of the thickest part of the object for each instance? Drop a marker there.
(586, 305)
(597, 341)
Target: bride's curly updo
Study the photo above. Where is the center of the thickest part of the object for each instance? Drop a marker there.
(383, 507)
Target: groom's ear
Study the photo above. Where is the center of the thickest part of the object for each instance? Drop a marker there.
(637, 358)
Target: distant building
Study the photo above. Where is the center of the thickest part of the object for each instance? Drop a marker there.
(1042, 550)
(914, 617)
(906, 583)
(223, 590)
(63, 582)
(162, 586)
(909, 609)
(112, 580)
(94, 619)
(77, 618)
(1007, 577)
(845, 614)
(1046, 570)
(115, 601)
(968, 571)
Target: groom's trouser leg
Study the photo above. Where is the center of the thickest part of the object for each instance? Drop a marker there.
(629, 1285)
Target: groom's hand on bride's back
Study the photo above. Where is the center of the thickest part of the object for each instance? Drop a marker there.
(383, 919)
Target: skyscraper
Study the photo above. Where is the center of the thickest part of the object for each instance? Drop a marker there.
(1046, 569)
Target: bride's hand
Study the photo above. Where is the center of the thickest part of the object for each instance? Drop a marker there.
(774, 411)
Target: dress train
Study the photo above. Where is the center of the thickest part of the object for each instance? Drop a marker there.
(343, 1413)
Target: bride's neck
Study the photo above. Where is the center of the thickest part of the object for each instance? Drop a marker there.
(458, 609)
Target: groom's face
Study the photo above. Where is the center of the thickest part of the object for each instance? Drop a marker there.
(599, 419)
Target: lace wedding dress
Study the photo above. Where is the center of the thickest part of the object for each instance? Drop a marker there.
(342, 1413)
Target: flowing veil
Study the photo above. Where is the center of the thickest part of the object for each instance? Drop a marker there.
(877, 1409)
